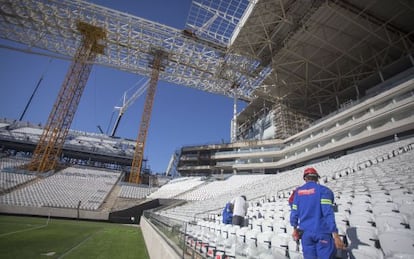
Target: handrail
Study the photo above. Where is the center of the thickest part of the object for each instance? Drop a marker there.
(152, 218)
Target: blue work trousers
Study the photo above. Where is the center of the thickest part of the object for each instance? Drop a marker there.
(318, 246)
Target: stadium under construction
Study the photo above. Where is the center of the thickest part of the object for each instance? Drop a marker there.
(328, 84)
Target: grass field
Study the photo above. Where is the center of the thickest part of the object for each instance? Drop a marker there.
(32, 237)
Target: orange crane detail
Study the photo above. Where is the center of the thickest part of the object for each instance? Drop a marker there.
(135, 173)
(48, 150)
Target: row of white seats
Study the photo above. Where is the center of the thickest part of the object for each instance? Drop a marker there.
(270, 185)
(216, 188)
(370, 234)
(9, 180)
(221, 241)
(386, 230)
(171, 190)
(135, 192)
(66, 189)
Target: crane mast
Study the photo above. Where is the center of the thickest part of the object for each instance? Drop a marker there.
(135, 173)
(49, 147)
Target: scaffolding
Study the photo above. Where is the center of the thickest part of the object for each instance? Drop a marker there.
(287, 121)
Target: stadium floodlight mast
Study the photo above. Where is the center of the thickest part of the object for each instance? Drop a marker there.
(91, 34)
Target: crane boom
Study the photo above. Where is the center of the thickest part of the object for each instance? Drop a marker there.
(135, 96)
(134, 176)
(126, 103)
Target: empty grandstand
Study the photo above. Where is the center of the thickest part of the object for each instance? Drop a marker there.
(329, 84)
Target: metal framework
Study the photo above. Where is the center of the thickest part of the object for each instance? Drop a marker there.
(320, 52)
(310, 55)
(218, 21)
(193, 61)
(134, 175)
(127, 43)
(57, 127)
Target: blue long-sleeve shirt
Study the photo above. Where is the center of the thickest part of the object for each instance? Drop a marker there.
(312, 209)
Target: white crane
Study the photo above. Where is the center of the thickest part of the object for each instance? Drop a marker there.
(127, 102)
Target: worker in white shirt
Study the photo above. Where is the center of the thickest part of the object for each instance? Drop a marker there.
(239, 210)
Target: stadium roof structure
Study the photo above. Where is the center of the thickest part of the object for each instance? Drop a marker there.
(49, 27)
(324, 53)
(218, 21)
(312, 55)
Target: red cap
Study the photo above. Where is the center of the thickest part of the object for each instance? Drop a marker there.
(310, 171)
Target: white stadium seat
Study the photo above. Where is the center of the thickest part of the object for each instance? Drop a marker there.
(398, 243)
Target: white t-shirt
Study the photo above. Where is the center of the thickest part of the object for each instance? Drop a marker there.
(240, 206)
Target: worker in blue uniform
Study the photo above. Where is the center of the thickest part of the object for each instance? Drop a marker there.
(227, 213)
(312, 217)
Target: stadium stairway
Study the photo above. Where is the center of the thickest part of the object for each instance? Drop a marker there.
(110, 201)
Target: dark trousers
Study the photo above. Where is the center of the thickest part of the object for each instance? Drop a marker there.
(238, 220)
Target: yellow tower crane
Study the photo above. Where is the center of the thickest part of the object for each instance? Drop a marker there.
(135, 173)
(48, 150)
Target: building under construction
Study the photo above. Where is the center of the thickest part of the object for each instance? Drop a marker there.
(295, 64)
(327, 84)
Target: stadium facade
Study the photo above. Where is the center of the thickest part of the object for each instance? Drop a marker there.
(382, 115)
(328, 60)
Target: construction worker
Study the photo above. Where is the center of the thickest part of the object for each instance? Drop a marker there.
(227, 213)
(239, 210)
(312, 217)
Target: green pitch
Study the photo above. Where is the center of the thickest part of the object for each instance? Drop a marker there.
(30, 237)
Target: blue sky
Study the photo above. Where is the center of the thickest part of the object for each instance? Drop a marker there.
(181, 115)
